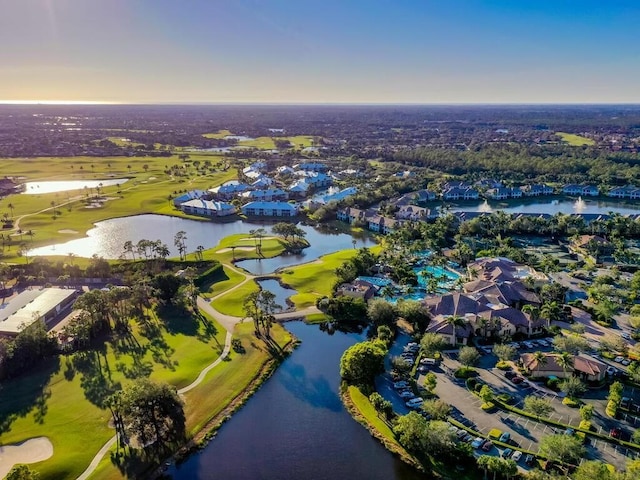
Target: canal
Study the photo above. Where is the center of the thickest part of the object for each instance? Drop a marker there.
(295, 426)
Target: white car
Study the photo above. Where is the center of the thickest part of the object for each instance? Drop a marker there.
(477, 442)
(400, 384)
(626, 362)
(542, 343)
(517, 455)
(406, 394)
(415, 402)
(626, 336)
(618, 359)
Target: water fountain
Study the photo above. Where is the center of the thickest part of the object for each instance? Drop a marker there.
(579, 205)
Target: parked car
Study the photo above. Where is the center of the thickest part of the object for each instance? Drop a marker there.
(477, 442)
(505, 437)
(516, 379)
(542, 343)
(626, 362)
(509, 374)
(615, 432)
(626, 336)
(400, 385)
(569, 431)
(618, 359)
(611, 371)
(517, 455)
(529, 460)
(460, 433)
(407, 394)
(423, 369)
(529, 344)
(415, 402)
(506, 453)
(487, 446)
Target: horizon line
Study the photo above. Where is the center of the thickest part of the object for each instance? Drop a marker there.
(259, 103)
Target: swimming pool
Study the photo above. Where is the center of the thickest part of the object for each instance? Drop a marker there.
(377, 281)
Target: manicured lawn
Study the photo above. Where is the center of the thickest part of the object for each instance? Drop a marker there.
(315, 279)
(59, 400)
(364, 406)
(227, 279)
(220, 386)
(231, 303)
(575, 140)
(220, 134)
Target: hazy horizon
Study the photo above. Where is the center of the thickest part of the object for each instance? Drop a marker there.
(277, 52)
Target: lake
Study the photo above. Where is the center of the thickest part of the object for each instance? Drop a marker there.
(107, 239)
(551, 206)
(296, 427)
(37, 188)
(281, 293)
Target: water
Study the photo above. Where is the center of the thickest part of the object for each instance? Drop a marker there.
(552, 206)
(37, 188)
(107, 238)
(296, 427)
(240, 138)
(281, 293)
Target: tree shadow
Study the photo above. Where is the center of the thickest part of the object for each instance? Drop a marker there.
(95, 373)
(20, 396)
(178, 320)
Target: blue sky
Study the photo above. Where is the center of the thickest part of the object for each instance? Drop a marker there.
(300, 51)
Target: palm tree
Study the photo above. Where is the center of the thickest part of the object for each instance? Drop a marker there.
(540, 358)
(533, 314)
(455, 321)
(10, 206)
(565, 361)
(551, 311)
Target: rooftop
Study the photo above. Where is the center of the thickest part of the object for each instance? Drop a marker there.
(28, 306)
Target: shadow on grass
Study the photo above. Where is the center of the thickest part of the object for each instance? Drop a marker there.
(95, 373)
(19, 397)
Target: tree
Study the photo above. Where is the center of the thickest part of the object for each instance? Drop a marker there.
(410, 430)
(486, 394)
(361, 362)
(430, 382)
(166, 286)
(504, 352)
(593, 470)
(152, 413)
(261, 306)
(562, 448)
(586, 412)
(455, 322)
(565, 361)
(179, 241)
(572, 386)
(533, 314)
(22, 472)
(432, 343)
(572, 344)
(284, 229)
(415, 313)
(468, 356)
(381, 312)
(385, 334)
(537, 406)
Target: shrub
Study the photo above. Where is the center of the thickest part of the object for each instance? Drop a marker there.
(471, 383)
(612, 409)
(585, 425)
(503, 365)
(505, 398)
(488, 406)
(570, 402)
(495, 433)
(552, 383)
(465, 372)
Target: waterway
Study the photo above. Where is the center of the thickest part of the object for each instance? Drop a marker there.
(37, 188)
(550, 206)
(295, 426)
(107, 239)
(281, 293)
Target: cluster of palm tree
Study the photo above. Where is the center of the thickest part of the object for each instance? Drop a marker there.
(261, 307)
(505, 468)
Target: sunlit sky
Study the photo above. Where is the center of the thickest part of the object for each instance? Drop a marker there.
(325, 51)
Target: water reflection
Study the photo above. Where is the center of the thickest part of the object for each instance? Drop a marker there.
(551, 206)
(37, 188)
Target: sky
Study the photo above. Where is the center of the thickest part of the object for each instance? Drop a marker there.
(320, 51)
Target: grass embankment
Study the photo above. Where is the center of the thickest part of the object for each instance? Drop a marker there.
(364, 413)
(147, 191)
(575, 140)
(315, 279)
(60, 399)
(223, 390)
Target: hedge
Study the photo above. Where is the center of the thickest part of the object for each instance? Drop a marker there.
(207, 276)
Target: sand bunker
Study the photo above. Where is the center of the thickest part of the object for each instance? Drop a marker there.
(30, 451)
(68, 230)
(238, 249)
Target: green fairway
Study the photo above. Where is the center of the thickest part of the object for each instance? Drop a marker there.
(315, 279)
(362, 403)
(221, 385)
(575, 140)
(147, 191)
(59, 400)
(231, 303)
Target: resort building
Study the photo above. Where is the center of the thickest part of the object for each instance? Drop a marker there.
(207, 208)
(270, 209)
(459, 193)
(381, 224)
(500, 269)
(311, 167)
(229, 190)
(587, 368)
(630, 192)
(581, 190)
(193, 194)
(415, 214)
(504, 193)
(266, 195)
(357, 289)
(30, 306)
(537, 190)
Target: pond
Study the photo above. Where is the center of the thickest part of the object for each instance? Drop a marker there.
(281, 293)
(37, 188)
(551, 206)
(107, 239)
(296, 427)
